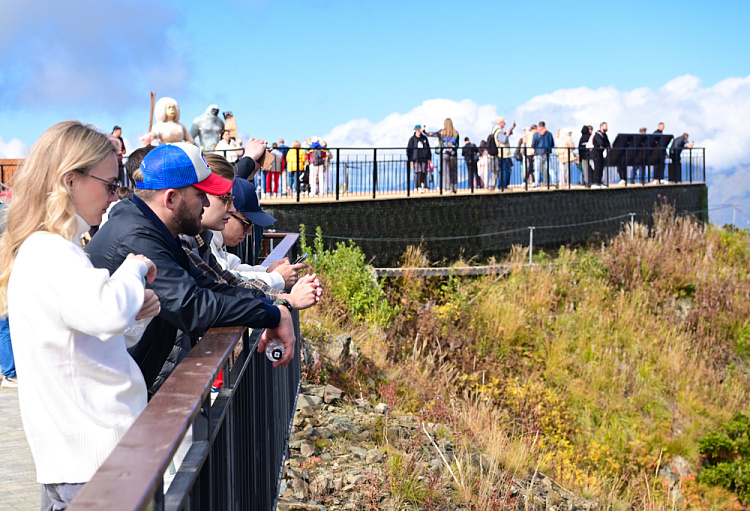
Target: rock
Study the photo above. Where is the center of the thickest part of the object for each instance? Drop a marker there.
(305, 400)
(306, 449)
(297, 506)
(313, 390)
(358, 451)
(374, 456)
(381, 408)
(680, 467)
(355, 477)
(340, 349)
(332, 395)
(299, 420)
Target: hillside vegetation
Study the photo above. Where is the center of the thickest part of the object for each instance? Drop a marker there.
(619, 371)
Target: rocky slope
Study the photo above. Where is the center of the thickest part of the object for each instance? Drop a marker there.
(339, 460)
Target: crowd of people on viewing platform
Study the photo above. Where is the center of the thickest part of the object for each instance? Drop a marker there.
(100, 310)
(541, 158)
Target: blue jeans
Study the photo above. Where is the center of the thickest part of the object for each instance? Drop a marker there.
(543, 168)
(7, 362)
(505, 166)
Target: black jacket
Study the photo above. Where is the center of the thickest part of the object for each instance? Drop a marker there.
(416, 153)
(190, 301)
(585, 135)
(469, 152)
(601, 141)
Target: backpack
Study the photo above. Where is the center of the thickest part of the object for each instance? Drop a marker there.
(317, 158)
(449, 144)
(492, 144)
(518, 154)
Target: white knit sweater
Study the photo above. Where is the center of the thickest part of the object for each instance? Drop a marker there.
(79, 390)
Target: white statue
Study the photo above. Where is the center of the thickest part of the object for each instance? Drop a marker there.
(207, 128)
(167, 129)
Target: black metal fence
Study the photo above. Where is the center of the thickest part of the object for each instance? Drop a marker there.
(370, 172)
(237, 443)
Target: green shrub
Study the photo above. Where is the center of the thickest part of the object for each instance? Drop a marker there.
(349, 280)
(725, 454)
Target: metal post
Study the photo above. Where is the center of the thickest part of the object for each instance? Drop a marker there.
(298, 173)
(338, 158)
(471, 178)
(440, 183)
(632, 225)
(690, 164)
(531, 244)
(525, 170)
(374, 171)
(408, 178)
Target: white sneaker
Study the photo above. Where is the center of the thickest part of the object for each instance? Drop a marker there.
(622, 181)
(9, 382)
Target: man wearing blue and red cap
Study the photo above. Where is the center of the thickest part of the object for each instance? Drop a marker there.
(169, 201)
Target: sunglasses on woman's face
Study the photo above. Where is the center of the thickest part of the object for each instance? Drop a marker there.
(227, 199)
(111, 187)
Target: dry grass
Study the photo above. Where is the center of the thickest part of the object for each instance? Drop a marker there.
(597, 370)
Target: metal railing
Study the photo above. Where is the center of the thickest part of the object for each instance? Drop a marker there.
(372, 172)
(239, 440)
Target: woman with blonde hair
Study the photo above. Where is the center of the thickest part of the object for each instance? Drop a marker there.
(79, 390)
(448, 137)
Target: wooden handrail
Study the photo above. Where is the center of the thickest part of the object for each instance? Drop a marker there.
(129, 477)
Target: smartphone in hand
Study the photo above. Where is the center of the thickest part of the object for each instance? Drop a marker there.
(300, 258)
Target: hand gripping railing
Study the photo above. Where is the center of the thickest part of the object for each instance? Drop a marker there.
(239, 441)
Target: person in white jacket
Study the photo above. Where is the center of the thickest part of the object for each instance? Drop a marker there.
(79, 390)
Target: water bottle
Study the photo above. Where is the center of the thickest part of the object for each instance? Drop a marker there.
(275, 350)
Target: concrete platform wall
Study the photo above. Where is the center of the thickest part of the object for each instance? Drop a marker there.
(390, 225)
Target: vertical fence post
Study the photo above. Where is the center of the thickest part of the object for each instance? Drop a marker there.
(525, 170)
(374, 171)
(440, 181)
(408, 178)
(338, 159)
(531, 244)
(632, 225)
(297, 175)
(690, 164)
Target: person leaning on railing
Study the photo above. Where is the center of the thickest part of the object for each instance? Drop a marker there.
(169, 201)
(305, 292)
(79, 390)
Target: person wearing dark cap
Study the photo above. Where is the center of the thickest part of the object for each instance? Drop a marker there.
(169, 201)
(419, 154)
(248, 214)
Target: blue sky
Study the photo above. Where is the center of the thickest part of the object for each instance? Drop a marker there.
(361, 73)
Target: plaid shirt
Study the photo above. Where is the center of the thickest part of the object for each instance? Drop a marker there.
(213, 269)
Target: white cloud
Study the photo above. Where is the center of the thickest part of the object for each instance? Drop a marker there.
(715, 117)
(12, 149)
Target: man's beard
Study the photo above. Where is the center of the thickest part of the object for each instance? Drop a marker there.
(187, 223)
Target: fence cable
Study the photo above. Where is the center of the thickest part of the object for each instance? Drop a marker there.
(509, 231)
